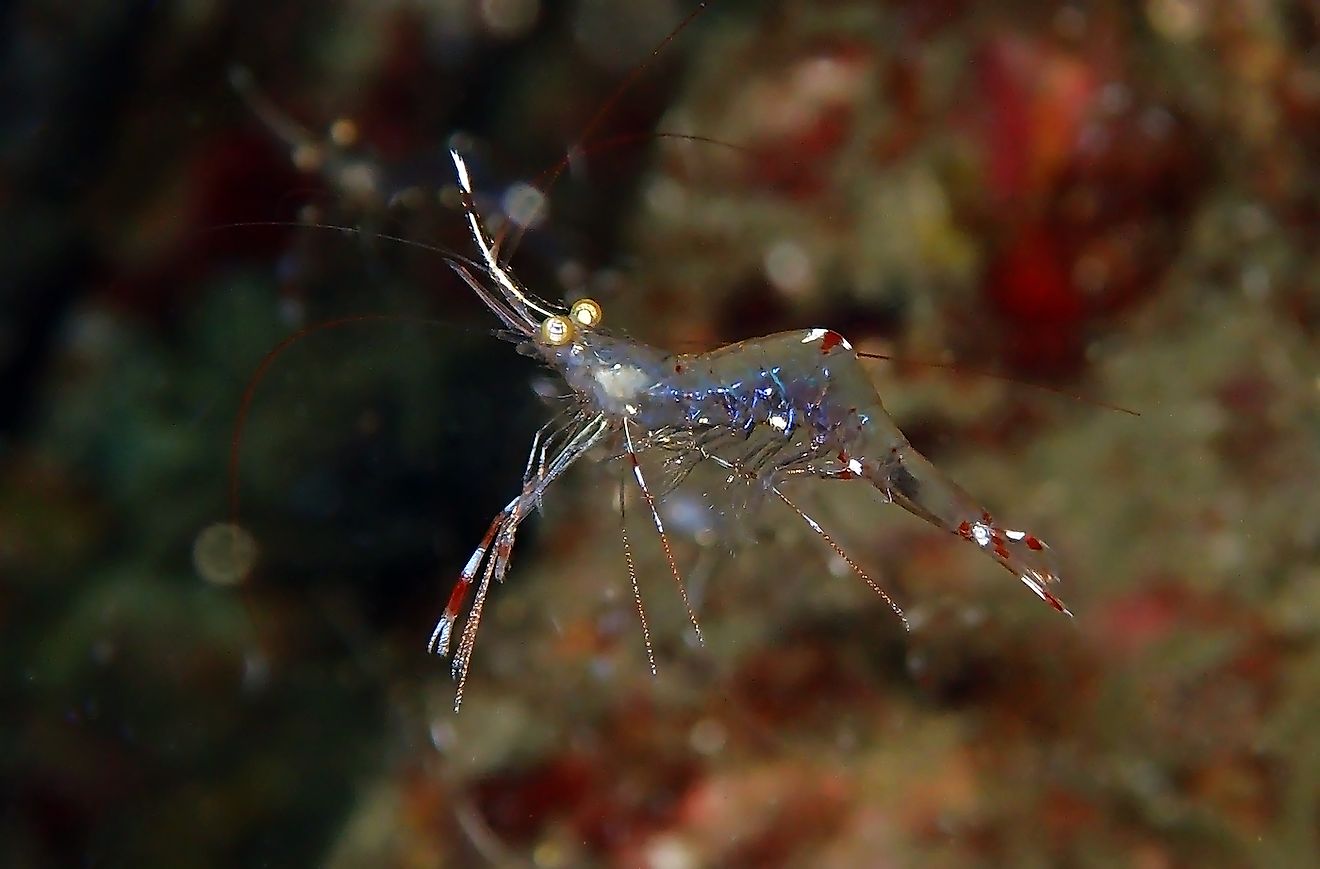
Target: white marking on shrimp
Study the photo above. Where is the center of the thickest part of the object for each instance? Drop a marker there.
(621, 382)
(471, 567)
(463, 180)
(981, 533)
(440, 636)
(1014, 535)
(817, 334)
(778, 423)
(641, 481)
(1034, 583)
(855, 466)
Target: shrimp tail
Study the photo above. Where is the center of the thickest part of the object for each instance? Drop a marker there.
(908, 479)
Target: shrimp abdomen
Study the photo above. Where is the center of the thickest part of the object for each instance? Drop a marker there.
(908, 479)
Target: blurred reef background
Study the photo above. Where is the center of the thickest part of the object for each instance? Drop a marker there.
(1116, 199)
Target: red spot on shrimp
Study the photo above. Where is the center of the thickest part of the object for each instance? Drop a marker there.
(829, 341)
(965, 530)
(456, 596)
(846, 473)
(1034, 543)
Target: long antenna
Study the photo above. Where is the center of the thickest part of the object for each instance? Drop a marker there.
(598, 118)
(1004, 378)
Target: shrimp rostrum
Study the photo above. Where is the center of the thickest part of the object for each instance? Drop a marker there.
(789, 405)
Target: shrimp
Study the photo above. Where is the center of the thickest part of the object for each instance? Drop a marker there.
(795, 404)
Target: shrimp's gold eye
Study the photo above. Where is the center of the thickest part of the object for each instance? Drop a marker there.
(586, 312)
(557, 330)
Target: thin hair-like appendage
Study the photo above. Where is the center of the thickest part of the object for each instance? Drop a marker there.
(515, 320)
(660, 528)
(263, 368)
(1004, 378)
(613, 99)
(507, 241)
(632, 571)
(838, 550)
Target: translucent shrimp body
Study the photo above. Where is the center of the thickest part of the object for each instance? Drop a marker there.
(791, 405)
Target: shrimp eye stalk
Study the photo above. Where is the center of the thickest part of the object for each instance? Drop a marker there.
(586, 312)
(557, 330)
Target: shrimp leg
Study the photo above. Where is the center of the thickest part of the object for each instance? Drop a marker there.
(496, 550)
(660, 527)
(632, 571)
(838, 550)
(439, 642)
(816, 527)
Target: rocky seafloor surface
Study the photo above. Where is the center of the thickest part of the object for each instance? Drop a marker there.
(1119, 201)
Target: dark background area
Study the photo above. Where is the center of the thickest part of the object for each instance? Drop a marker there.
(1117, 200)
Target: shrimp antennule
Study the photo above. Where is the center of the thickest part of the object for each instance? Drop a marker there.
(518, 297)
